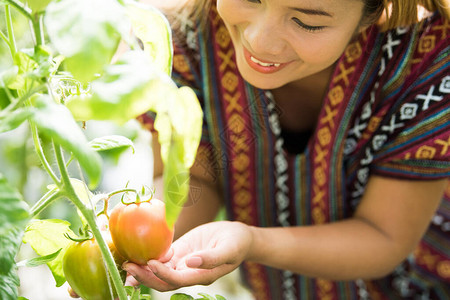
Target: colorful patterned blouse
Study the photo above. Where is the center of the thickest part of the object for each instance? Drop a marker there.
(387, 112)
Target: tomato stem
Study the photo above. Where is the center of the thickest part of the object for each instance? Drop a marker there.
(121, 191)
(81, 239)
(88, 213)
(45, 201)
(105, 208)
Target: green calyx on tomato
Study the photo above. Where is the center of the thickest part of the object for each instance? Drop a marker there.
(85, 270)
(140, 231)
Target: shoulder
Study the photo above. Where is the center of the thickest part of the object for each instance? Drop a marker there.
(416, 43)
(404, 56)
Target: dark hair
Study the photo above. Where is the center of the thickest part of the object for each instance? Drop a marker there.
(373, 9)
(397, 13)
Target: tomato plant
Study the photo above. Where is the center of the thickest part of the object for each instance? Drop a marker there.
(140, 230)
(66, 76)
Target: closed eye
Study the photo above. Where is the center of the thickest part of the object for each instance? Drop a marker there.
(307, 27)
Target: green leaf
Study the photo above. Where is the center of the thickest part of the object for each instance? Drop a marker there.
(47, 237)
(8, 76)
(38, 5)
(153, 29)
(111, 142)
(133, 293)
(205, 297)
(4, 99)
(179, 124)
(48, 65)
(37, 261)
(56, 122)
(14, 119)
(26, 65)
(219, 297)
(180, 296)
(128, 88)
(86, 32)
(14, 215)
(9, 281)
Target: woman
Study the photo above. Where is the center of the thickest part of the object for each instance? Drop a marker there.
(326, 137)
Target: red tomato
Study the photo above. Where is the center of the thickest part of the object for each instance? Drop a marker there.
(140, 231)
(85, 271)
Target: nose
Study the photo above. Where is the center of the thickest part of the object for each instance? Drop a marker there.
(264, 37)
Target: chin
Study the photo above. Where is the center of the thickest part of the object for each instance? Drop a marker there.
(265, 84)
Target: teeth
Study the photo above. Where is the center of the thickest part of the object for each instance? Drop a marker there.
(263, 63)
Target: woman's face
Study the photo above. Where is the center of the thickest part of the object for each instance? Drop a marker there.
(283, 41)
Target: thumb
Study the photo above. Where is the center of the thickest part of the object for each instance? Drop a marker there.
(209, 259)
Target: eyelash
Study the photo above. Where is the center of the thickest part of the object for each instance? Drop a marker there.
(298, 22)
(307, 27)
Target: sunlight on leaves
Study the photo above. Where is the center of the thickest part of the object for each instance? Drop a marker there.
(47, 237)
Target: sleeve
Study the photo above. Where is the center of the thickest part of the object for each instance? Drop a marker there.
(419, 144)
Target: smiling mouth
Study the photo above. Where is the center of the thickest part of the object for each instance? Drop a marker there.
(264, 64)
(263, 67)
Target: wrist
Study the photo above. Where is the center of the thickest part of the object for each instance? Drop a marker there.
(254, 248)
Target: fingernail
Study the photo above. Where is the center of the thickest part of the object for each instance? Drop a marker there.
(194, 262)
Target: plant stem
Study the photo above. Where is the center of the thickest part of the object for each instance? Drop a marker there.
(12, 41)
(41, 155)
(89, 215)
(4, 38)
(21, 8)
(121, 191)
(45, 201)
(38, 29)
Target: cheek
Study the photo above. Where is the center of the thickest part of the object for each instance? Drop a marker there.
(321, 49)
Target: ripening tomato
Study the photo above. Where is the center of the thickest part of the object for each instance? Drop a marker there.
(85, 271)
(140, 231)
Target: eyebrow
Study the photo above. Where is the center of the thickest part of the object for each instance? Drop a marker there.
(315, 12)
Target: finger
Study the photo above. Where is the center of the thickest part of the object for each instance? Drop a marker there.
(72, 293)
(210, 259)
(167, 256)
(143, 275)
(131, 281)
(183, 277)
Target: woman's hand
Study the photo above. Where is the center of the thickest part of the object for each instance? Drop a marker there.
(201, 256)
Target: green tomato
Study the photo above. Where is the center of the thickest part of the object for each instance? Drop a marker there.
(85, 271)
(38, 5)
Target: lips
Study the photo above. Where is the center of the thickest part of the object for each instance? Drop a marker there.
(262, 66)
